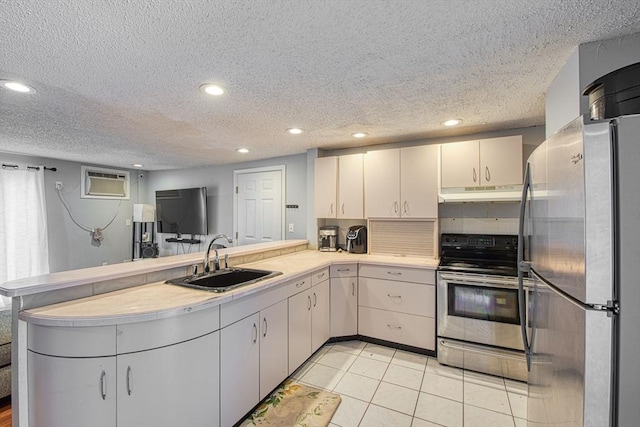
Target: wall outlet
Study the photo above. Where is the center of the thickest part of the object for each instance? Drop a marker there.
(290, 227)
(58, 185)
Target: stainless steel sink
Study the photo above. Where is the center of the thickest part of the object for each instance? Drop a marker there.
(226, 279)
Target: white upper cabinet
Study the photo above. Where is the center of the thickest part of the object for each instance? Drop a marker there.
(501, 160)
(326, 187)
(419, 181)
(402, 182)
(339, 185)
(351, 186)
(486, 162)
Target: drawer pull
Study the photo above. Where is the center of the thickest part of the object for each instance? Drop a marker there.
(394, 273)
(129, 380)
(300, 284)
(320, 275)
(394, 296)
(344, 270)
(394, 327)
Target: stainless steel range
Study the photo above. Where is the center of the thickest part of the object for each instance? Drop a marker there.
(478, 310)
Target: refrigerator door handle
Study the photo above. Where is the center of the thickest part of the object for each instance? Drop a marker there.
(523, 267)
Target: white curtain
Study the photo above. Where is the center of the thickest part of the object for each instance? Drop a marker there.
(24, 249)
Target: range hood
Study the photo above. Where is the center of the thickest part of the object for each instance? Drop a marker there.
(511, 193)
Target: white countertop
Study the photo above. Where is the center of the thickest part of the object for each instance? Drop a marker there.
(159, 300)
(71, 278)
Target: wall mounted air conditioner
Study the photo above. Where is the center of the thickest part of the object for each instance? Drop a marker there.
(100, 183)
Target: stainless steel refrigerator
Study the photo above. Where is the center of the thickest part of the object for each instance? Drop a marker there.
(580, 244)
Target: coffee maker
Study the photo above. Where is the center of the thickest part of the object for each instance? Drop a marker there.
(328, 238)
(357, 239)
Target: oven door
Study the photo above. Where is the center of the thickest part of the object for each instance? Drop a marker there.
(479, 309)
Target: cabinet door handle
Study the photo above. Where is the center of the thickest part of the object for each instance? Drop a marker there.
(353, 288)
(394, 327)
(129, 380)
(309, 298)
(343, 209)
(300, 284)
(320, 276)
(394, 273)
(255, 333)
(103, 385)
(264, 320)
(395, 207)
(331, 208)
(405, 208)
(487, 173)
(394, 296)
(315, 299)
(475, 176)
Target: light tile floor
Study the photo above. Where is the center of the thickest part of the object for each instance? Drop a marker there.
(381, 386)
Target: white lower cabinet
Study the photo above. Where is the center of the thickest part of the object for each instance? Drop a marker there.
(239, 369)
(253, 361)
(299, 329)
(72, 392)
(156, 373)
(344, 300)
(273, 347)
(167, 386)
(397, 304)
(170, 386)
(402, 328)
(320, 316)
(309, 323)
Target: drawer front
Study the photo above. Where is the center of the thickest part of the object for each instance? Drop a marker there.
(237, 309)
(170, 330)
(93, 341)
(344, 270)
(401, 328)
(299, 285)
(400, 274)
(409, 298)
(319, 276)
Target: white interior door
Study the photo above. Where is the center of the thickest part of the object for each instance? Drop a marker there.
(259, 213)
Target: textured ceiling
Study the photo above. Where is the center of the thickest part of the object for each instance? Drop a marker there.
(117, 80)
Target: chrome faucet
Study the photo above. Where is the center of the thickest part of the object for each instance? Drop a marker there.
(217, 259)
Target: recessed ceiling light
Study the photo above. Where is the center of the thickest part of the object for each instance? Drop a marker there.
(359, 134)
(17, 86)
(295, 131)
(211, 89)
(452, 122)
(243, 150)
(137, 165)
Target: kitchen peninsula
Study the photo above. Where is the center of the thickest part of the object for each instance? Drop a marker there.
(115, 329)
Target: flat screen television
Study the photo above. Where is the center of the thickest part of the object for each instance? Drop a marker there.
(182, 211)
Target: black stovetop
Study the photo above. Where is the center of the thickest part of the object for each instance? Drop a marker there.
(479, 253)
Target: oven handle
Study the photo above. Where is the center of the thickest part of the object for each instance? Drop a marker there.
(473, 349)
(522, 267)
(493, 282)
